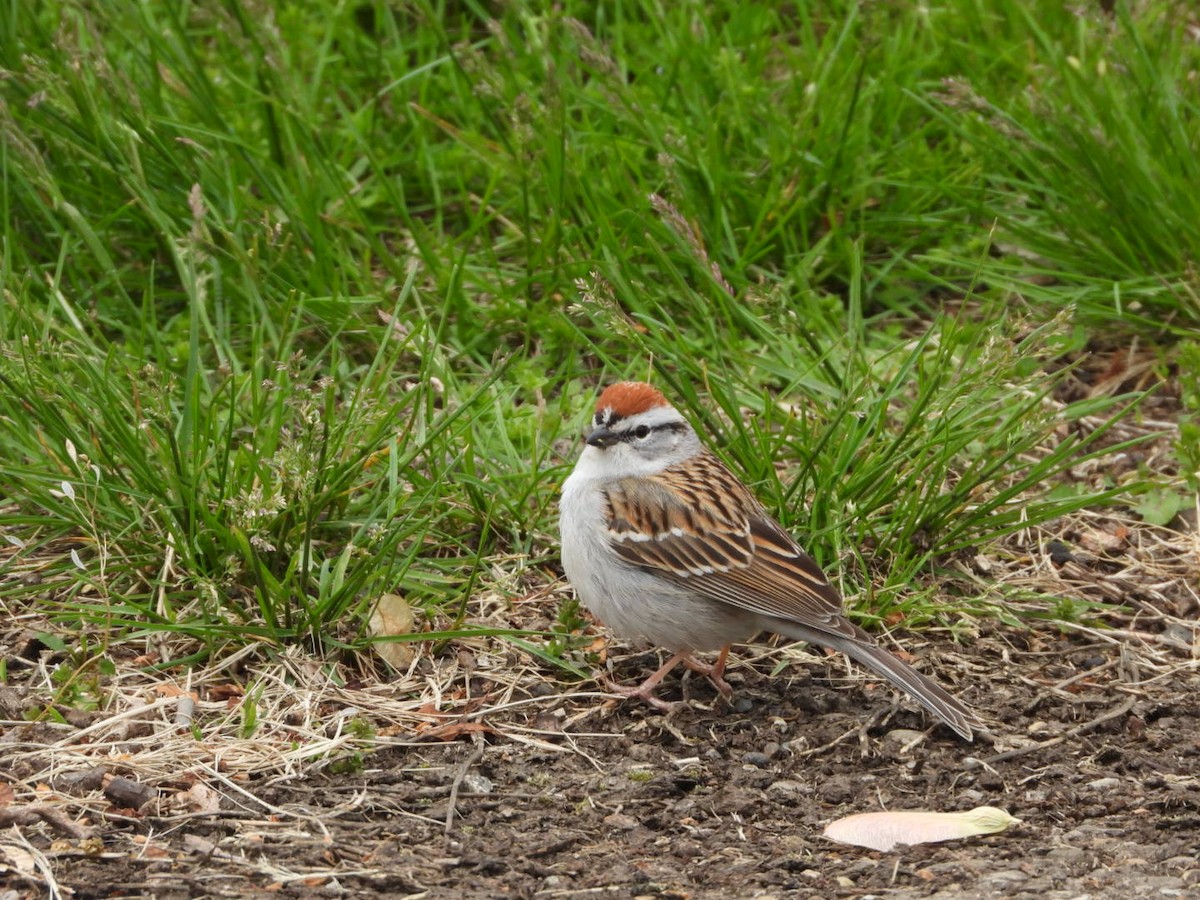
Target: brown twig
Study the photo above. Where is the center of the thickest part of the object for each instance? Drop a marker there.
(452, 803)
(31, 815)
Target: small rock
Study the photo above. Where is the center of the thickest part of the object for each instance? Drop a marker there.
(684, 807)
(1104, 784)
(754, 758)
(862, 866)
(786, 789)
(1006, 876)
(836, 789)
(743, 705)
(1069, 855)
(1060, 553)
(622, 821)
(477, 784)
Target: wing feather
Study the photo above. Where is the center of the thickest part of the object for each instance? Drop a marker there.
(696, 524)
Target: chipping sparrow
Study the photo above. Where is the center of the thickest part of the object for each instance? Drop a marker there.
(662, 542)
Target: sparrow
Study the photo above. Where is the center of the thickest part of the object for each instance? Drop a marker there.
(663, 543)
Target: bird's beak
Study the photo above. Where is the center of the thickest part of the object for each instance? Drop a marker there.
(601, 437)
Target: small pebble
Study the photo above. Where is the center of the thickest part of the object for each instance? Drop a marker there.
(1060, 553)
(621, 821)
(786, 789)
(862, 867)
(1069, 855)
(755, 758)
(742, 705)
(1005, 876)
(477, 784)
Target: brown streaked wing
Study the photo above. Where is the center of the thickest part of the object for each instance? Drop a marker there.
(785, 581)
(721, 544)
(666, 523)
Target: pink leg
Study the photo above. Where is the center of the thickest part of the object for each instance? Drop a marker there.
(714, 673)
(645, 690)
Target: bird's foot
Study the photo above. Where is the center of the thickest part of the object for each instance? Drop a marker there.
(714, 672)
(643, 692)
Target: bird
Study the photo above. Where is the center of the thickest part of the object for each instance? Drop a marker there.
(664, 544)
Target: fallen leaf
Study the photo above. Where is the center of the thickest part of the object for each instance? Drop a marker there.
(18, 860)
(392, 616)
(225, 691)
(1099, 541)
(452, 731)
(166, 689)
(201, 846)
(884, 830)
(199, 798)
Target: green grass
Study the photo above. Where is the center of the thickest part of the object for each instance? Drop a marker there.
(300, 307)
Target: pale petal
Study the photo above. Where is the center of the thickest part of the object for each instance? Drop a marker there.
(884, 830)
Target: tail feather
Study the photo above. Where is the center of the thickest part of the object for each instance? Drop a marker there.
(865, 651)
(928, 693)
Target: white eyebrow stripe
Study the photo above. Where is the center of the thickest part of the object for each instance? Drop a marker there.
(659, 417)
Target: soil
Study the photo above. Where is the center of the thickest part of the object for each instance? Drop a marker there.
(1095, 749)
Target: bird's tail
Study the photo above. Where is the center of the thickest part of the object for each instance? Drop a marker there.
(928, 693)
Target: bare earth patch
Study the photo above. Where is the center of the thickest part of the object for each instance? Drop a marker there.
(487, 780)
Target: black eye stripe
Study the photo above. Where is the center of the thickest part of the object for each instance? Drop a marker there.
(633, 433)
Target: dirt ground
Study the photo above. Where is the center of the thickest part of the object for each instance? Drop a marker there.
(1096, 749)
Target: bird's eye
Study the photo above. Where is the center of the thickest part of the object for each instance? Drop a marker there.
(642, 432)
